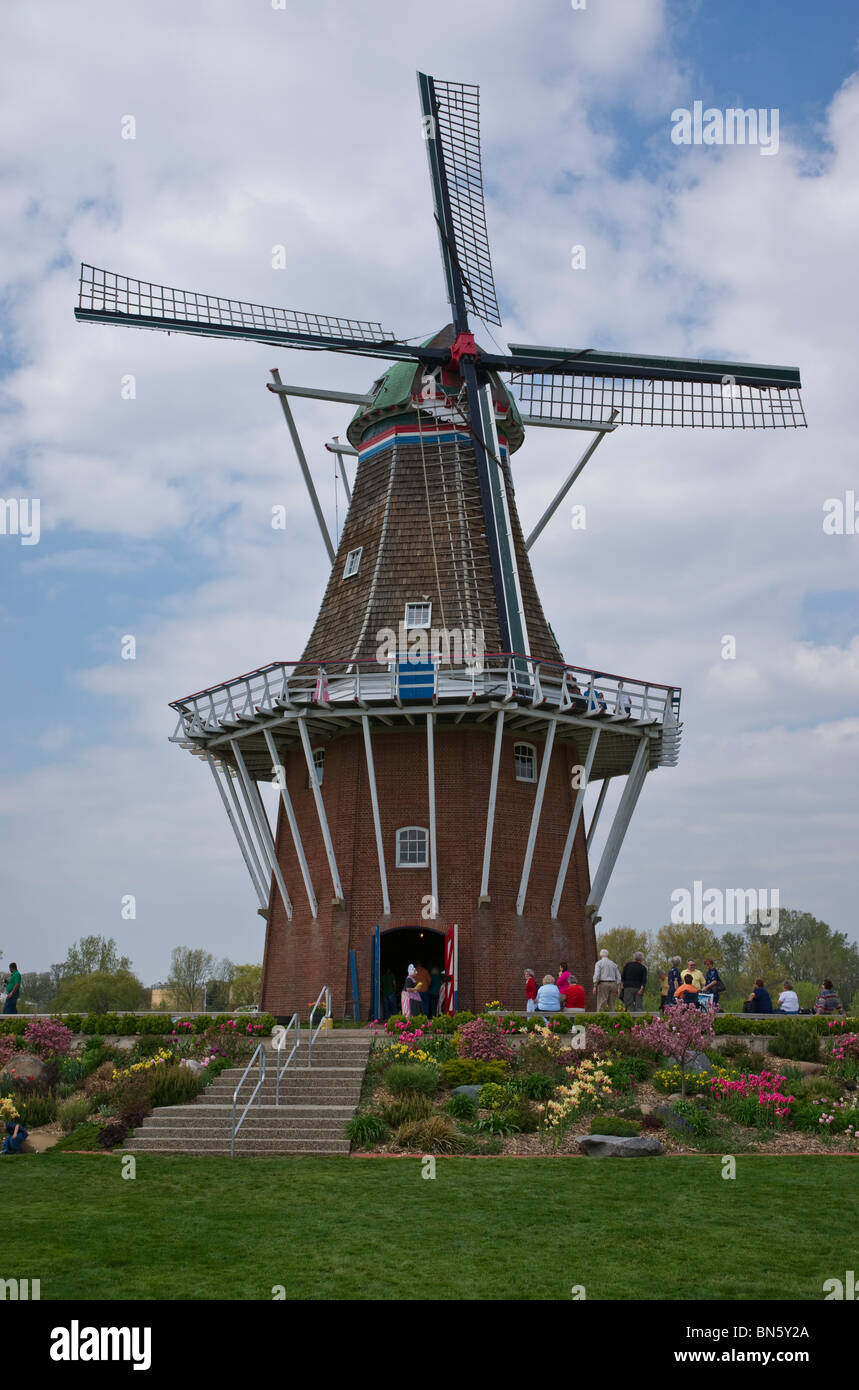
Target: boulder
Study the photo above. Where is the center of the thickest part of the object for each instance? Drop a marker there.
(698, 1061)
(193, 1066)
(678, 1123)
(616, 1146)
(473, 1091)
(22, 1066)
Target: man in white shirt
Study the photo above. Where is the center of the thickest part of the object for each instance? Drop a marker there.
(788, 1000)
(606, 983)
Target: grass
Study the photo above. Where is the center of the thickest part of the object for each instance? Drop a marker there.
(209, 1228)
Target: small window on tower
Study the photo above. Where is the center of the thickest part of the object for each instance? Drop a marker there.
(318, 766)
(418, 614)
(412, 847)
(353, 560)
(525, 762)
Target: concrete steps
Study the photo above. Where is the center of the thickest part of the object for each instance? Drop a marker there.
(315, 1104)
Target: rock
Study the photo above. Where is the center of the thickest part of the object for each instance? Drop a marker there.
(473, 1091)
(807, 1068)
(193, 1066)
(698, 1061)
(614, 1146)
(22, 1066)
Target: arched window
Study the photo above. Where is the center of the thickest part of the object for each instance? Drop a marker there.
(525, 762)
(412, 847)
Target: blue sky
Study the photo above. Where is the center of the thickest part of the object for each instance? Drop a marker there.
(155, 511)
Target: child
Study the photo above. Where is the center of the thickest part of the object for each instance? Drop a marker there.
(15, 1136)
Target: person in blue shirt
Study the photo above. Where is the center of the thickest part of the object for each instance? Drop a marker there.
(760, 999)
(15, 1136)
(674, 979)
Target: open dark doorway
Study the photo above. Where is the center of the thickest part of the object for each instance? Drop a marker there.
(404, 946)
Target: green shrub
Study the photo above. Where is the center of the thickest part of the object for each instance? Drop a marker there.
(14, 1025)
(820, 1088)
(412, 1076)
(85, 1136)
(462, 1071)
(64, 1089)
(36, 1110)
(73, 1070)
(463, 1017)
(109, 1136)
(536, 1085)
(695, 1116)
(496, 1122)
(629, 1112)
(413, 1105)
(435, 1135)
(638, 1068)
(557, 1023)
(173, 1085)
(492, 1096)
(366, 1129)
(609, 1124)
(806, 1116)
(73, 1112)
(461, 1106)
(796, 1041)
(523, 1115)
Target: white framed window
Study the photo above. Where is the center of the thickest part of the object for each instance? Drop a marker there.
(318, 766)
(412, 847)
(525, 762)
(353, 561)
(418, 614)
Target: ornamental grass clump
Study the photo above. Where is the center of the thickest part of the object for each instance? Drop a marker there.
(479, 1041)
(411, 1106)
(412, 1076)
(435, 1135)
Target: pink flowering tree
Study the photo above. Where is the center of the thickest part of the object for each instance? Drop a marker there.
(683, 1029)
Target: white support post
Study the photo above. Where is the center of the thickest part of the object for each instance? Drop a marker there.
(302, 463)
(280, 772)
(377, 824)
(490, 813)
(259, 884)
(320, 810)
(562, 492)
(432, 834)
(574, 822)
(622, 817)
(535, 818)
(255, 808)
(597, 810)
(250, 836)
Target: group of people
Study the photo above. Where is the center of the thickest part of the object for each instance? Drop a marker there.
(419, 995)
(760, 1000)
(553, 994)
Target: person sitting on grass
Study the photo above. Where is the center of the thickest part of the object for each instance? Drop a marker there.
(15, 1136)
(687, 993)
(548, 995)
(760, 999)
(827, 1001)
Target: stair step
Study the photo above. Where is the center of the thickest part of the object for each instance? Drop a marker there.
(243, 1146)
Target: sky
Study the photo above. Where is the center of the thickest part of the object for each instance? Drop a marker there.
(260, 125)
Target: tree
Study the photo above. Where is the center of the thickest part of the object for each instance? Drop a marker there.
(189, 970)
(247, 984)
(732, 953)
(219, 987)
(622, 943)
(37, 988)
(99, 992)
(689, 941)
(89, 954)
(682, 1030)
(807, 949)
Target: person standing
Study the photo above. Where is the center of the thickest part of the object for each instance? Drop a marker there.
(713, 981)
(423, 983)
(13, 990)
(606, 983)
(633, 980)
(674, 979)
(530, 992)
(697, 977)
(563, 978)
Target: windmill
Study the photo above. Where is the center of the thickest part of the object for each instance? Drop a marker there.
(432, 748)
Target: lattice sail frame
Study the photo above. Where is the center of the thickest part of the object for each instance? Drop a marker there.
(102, 291)
(458, 122)
(695, 404)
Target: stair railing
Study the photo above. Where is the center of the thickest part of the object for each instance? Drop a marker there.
(259, 1058)
(281, 1046)
(324, 993)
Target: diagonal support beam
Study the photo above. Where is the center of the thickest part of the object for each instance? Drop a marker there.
(490, 813)
(320, 810)
(260, 820)
(377, 824)
(254, 871)
(535, 817)
(574, 821)
(280, 773)
(620, 824)
(302, 462)
(597, 812)
(249, 832)
(562, 492)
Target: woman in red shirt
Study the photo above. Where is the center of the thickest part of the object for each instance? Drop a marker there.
(530, 992)
(574, 995)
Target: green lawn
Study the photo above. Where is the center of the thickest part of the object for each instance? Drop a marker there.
(199, 1228)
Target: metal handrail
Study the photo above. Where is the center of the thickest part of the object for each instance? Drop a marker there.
(326, 993)
(281, 1044)
(259, 1054)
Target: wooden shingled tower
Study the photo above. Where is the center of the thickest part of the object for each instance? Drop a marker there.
(432, 750)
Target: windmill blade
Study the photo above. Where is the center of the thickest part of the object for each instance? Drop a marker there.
(562, 384)
(105, 297)
(451, 112)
